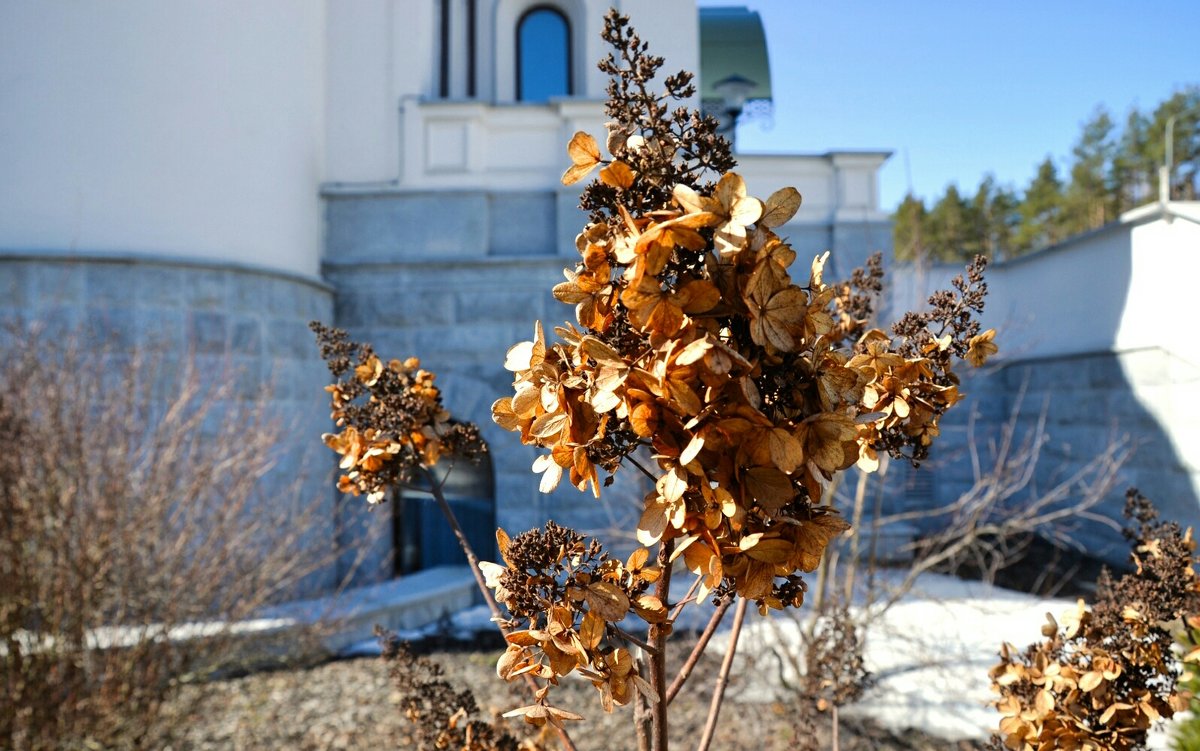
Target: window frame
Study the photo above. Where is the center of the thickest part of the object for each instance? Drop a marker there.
(568, 52)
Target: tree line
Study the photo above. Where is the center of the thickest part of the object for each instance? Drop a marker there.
(1111, 169)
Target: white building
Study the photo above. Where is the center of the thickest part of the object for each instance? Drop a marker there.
(206, 176)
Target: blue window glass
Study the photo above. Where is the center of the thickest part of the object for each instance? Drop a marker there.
(543, 55)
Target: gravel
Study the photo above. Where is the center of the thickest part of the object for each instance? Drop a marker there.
(350, 704)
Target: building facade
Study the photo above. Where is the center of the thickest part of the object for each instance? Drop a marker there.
(205, 177)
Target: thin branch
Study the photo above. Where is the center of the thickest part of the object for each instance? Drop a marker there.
(714, 709)
(690, 663)
(645, 471)
(689, 597)
(633, 640)
(658, 660)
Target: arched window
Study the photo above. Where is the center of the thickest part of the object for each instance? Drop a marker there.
(543, 55)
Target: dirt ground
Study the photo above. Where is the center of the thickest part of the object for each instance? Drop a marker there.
(350, 704)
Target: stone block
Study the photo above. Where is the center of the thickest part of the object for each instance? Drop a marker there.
(351, 309)
(160, 286)
(290, 338)
(111, 284)
(1082, 406)
(246, 377)
(1155, 450)
(440, 225)
(110, 328)
(60, 283)
(246, 336)
(285, 298)
(397, 306)
(167, 373)
(852, 243)
(17, 283)
(55, 322)
(13, 322)
(499, 305)
(298, 380)
(160, 330)
(522, 224)
(478, 343)
(1078, 442)
(569, 222)
(206, 332)
(248, 292)
(205, 289)
(1105, 371)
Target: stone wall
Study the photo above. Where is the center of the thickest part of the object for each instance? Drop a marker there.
(456, 278)
(1087, 402)
(229, 321)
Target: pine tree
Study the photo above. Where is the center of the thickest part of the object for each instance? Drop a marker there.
(1041, 209)
(1184, 106)
(908, 229)
(1132, 167)
(949, 227)
(994, 218)
(1089, 202)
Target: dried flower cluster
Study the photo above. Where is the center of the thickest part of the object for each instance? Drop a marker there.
(1106, 674)
(444, 716)
(836, 674)
(391, 417)
(566, 595)
(693, 341)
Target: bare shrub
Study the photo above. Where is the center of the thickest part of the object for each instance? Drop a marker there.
(134, 531)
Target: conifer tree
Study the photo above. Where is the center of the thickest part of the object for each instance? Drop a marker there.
(1041, 209)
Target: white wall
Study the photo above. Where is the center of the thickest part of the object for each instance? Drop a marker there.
(1065, 300)
(1163, 302)
(190, 127)
(379, 51)
(1163, 296)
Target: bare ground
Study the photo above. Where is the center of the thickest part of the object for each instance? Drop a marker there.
(350, 704)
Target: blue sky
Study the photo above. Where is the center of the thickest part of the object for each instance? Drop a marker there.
(958, 89)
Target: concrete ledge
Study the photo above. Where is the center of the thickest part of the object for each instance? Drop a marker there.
(408, 603)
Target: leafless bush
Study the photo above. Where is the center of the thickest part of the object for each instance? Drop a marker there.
(134, 528)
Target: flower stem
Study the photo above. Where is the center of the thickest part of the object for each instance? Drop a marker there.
(658, 659)
(714, 709)
(697, 651)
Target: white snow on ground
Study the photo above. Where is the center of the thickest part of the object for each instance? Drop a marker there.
(930, 654)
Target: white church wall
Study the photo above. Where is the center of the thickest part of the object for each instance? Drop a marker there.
(1166, 265)
(187, 128)
(378, 50)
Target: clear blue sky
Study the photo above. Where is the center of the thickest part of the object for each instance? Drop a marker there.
(963, 87)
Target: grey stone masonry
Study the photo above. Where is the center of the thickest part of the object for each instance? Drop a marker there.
(456, 278)
(236, 324)
(1085, 404)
